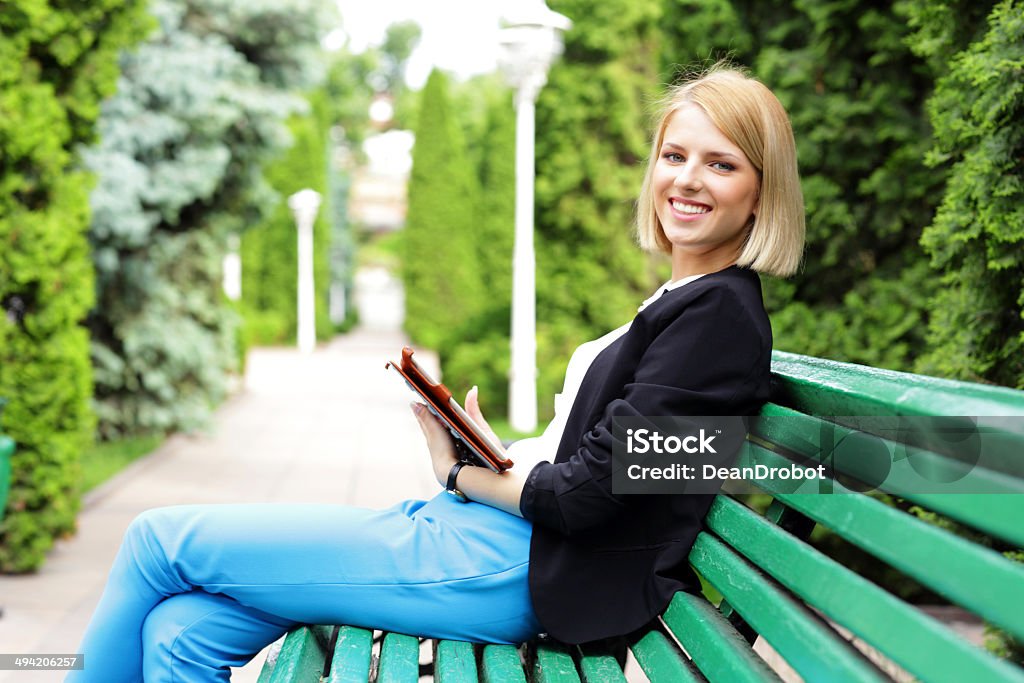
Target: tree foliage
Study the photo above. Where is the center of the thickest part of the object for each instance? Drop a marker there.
(58, 60)
(479, 352)
(441, 275)
(591, 142)
(337, 121)
(976, 240)
(854, 92)
(270, 249)
(199, 107)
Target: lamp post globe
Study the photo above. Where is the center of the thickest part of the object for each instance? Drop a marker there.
(304, 205)
(530, 40)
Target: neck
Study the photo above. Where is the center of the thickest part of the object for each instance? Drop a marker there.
(685, 265)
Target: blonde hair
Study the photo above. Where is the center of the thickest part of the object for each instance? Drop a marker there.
(750, 115)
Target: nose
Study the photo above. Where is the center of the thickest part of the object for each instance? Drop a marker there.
(689, 176)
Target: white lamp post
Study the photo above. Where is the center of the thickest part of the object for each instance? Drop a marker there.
(304, 205)
(530, 40)
(231, 266)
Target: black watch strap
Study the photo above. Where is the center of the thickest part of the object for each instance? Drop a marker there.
(450, 487)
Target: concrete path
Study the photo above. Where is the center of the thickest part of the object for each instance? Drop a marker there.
(331, 427)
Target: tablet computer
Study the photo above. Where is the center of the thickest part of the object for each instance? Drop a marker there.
(474, 444)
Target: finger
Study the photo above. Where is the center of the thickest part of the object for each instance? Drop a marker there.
(417, 411)
(473, 405)
(473, 408)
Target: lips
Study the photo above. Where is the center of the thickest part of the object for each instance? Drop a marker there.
(689, 207)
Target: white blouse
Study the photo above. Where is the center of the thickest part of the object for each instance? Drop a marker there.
(526, 453)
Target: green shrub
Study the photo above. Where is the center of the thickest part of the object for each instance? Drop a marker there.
(58, 60)
(976, 241)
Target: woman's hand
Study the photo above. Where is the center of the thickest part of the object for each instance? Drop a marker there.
(478, 483)
(439, 441)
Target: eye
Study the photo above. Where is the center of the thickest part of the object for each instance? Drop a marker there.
(722, 166)
(674, 157)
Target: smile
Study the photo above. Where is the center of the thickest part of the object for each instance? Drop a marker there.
(682, 207)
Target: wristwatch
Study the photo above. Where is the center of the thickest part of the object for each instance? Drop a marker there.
(450, 487)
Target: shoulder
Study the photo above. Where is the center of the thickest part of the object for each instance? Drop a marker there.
(731, 293)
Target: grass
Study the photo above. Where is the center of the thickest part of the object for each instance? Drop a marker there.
(104, 460)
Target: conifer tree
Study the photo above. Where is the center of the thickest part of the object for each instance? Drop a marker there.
(480, 354)
(440, 270)
(201, 106)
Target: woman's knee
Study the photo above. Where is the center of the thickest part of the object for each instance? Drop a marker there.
(150, 543)
(199, 636)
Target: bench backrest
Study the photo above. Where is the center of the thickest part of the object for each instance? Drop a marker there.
(807, 605)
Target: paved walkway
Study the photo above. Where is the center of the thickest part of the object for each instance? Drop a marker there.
(331, 427)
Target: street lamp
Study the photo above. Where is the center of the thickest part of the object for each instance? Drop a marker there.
(304, 205)
(530, 41)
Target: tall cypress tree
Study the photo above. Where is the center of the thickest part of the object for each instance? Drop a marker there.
(480, 354)
(439, 270)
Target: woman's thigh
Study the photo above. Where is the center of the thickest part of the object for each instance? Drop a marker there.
(437, 569)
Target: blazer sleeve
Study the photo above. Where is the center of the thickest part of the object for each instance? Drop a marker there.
(711, 359)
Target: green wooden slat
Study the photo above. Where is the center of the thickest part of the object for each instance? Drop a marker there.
(803, 434)
(454, 662)
(597, 665)
(6, 451)
(399, 659)
(301, 659)
(714, 645)
(996, 515)
(970, 575)
(501, 664)
(913, 640)
(553, 664)
(811, 647)
(662, 661)
(350, 662)
(825, 387)
(266, 671)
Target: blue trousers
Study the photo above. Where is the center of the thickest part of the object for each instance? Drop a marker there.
(197, 589)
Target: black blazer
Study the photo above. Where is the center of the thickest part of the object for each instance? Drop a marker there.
(603, 565)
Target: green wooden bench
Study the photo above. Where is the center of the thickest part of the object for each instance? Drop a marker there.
(826, 622)
(6, 451)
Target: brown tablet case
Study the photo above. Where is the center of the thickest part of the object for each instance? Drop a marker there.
(469, 437)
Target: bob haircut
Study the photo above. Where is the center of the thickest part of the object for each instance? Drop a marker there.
(750, 115)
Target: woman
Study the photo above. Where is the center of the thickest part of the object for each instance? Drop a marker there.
(548, 546)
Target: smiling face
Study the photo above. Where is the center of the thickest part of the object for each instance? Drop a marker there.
(705, 193)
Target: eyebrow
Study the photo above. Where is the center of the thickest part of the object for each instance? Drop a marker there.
(710, 154)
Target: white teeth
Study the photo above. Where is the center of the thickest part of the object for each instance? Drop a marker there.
(689, 208)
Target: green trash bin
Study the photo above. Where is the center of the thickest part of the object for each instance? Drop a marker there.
(6, 451)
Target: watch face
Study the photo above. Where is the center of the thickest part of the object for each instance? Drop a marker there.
(459, 495)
